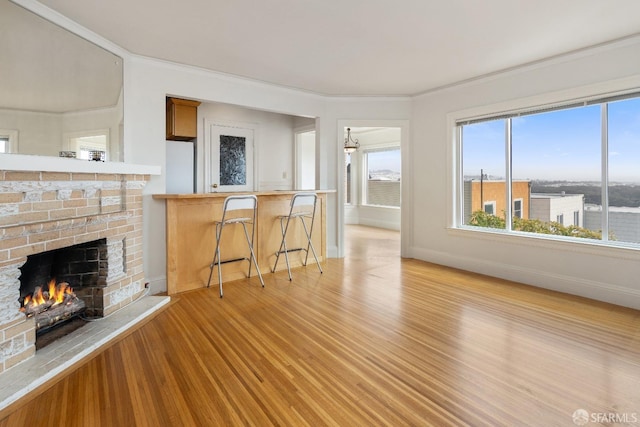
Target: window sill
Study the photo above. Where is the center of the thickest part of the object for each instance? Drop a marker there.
(567, 244)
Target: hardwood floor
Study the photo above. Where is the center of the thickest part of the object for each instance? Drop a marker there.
(375, 340)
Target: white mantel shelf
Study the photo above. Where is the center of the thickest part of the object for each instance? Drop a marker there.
(23, 162)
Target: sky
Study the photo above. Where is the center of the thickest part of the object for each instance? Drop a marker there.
(380, 160)
(558, 145)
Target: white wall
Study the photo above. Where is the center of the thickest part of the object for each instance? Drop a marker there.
(34, 131)
(273, 140)
(587, 269)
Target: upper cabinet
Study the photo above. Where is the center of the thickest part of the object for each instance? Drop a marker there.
(182, 119)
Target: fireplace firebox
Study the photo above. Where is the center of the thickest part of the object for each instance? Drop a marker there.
(59, 287)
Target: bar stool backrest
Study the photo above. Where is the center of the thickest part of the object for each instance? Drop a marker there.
(303, 199)
(233, 203)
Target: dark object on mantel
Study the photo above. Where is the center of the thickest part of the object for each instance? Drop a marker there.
(97, 156)
(182, 119)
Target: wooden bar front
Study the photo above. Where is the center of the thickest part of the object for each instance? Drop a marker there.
(191, 237)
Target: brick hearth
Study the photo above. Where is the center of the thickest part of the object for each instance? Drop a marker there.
(42, 211)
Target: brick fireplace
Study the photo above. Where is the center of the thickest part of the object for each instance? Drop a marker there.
(45, 211)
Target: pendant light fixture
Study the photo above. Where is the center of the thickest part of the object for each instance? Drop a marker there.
(350, 145)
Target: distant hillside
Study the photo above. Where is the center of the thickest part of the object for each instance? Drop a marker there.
(384, 174)
(619, 194)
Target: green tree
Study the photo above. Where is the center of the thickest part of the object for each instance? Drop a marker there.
(483, 219)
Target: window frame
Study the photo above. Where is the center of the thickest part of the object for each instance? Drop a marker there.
(491, 203)
(11, 136)
(527, 105)
(364, 168)
(349, 196)
(521, 201)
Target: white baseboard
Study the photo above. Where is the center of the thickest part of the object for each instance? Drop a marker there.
(600, 291)
(332, 252)
(157, 285)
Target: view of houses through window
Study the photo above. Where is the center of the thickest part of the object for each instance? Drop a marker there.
(569, 171)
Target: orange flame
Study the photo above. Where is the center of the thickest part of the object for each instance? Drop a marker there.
(55, 295)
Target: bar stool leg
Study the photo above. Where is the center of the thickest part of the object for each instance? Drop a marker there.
(216, 259)
(219, 260)
(253, 255)
(310, 245)
(283, 245)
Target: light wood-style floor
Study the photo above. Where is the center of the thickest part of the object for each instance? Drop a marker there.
(375, 340)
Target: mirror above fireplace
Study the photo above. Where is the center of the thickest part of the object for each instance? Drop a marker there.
(59, 93)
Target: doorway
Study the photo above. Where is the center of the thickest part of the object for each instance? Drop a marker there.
(373, 193)
(229, 158)
(373, 178)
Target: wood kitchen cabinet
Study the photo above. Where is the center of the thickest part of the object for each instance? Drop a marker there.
(182, 119)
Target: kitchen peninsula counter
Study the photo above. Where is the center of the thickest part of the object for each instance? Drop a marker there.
(191, 238)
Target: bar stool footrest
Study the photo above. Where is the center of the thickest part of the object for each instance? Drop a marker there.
(231, 260)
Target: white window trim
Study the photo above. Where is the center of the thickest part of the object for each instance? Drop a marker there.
(12, 135)
(521, 200)
(364, 168)
(353, 186)
(491, 203)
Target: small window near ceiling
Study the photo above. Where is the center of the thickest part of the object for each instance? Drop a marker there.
(4, 144)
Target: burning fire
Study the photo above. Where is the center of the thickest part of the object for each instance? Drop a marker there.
(55, 295)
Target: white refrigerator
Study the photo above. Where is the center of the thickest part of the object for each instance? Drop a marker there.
(180, 167)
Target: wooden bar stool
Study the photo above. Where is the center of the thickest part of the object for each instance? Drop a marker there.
(244, 204)
(303, 206)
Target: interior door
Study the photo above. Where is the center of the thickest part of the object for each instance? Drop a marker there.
(229, 159)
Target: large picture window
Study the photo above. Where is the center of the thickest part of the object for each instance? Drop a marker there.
(570, 171)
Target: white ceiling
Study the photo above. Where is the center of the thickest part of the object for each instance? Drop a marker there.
(355, 47)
